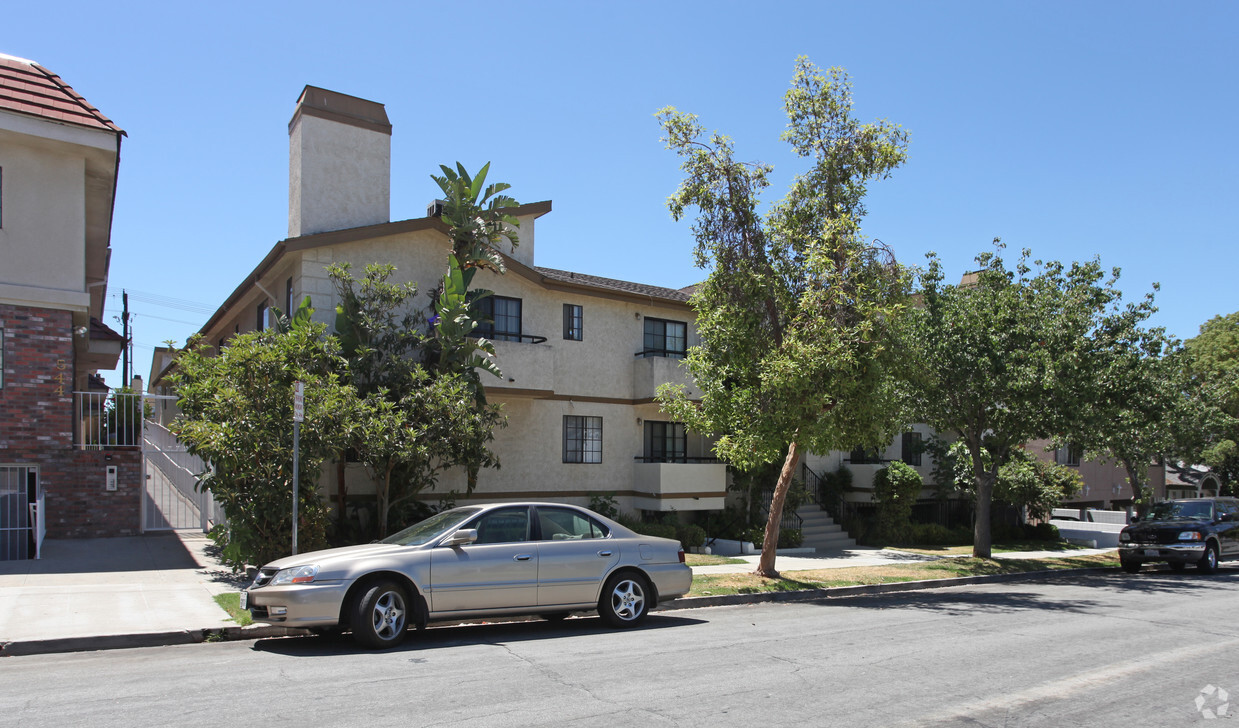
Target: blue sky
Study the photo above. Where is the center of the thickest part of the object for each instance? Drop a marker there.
(1074, 129)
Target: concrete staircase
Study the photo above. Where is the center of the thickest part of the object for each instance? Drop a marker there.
(821, 532)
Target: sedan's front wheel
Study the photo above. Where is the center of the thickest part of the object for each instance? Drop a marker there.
(381, 615)
(625, 600)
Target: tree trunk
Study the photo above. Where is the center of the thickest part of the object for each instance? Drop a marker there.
(1141, 492)
(765, 567)
(341, 490)
(981, 537)
(385, 500)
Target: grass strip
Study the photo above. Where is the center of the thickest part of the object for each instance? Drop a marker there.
(1006, 548)
(710, 560)
(719, 584)
(231, 603)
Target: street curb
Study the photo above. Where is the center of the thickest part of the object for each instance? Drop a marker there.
(835, 592)
(254, 632)
(17, 648)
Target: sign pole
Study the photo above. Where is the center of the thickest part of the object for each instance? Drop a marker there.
(298, 416)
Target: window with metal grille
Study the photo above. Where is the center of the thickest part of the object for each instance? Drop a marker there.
(911, 448)
(866, 456)
(500, 318)
(665, 442)
(572, 322)
(665, 338)
(582, 439)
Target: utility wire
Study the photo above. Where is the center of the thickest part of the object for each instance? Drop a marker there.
(183, 304)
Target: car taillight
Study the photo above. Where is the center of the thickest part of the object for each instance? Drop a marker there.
(681, 556)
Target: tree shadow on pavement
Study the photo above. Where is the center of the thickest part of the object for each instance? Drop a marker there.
(459, 634)
(966, 599)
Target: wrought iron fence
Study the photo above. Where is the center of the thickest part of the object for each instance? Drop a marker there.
(105, 420)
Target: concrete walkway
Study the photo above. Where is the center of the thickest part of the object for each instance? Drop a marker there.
(156, 583)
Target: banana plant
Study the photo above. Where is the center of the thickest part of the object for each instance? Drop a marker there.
(476, 215)
(453, 321)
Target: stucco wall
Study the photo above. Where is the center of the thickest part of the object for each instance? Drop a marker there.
(44, 223)
(339, 176)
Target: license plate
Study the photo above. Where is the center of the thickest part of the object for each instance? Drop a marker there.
(245, 600)
(1150, 552)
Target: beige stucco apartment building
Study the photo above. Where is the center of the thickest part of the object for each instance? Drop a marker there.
(582, 356)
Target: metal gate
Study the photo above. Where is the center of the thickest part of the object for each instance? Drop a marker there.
(172, 499)
(21, 527)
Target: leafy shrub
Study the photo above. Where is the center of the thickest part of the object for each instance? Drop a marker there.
(1042, 532)
(895, 490)
(691, 535)
(790, 538)
(604, 505)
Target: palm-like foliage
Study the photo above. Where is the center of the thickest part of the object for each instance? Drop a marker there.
(477, 218)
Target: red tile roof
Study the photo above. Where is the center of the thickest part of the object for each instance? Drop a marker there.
(28, 88)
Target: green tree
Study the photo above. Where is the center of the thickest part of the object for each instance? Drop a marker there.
(1212, 365)
(236, 413)
(416, 422)
(435, 426)
(1011, 356)
(1144, 407)
(795, 317)
(1035, 485)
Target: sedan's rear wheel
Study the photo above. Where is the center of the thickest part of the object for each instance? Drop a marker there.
(625, 600)
(381, 615)
(1208, 562)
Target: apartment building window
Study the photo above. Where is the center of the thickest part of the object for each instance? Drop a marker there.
(573, 322)
(288, 298)
(582, 439)
(665, 442)
(866, 456)
(911, 448)
(1072, 454)
(261, 324)
(665, 338)
(500, 318)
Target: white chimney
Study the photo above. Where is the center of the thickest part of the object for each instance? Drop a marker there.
(339, 163)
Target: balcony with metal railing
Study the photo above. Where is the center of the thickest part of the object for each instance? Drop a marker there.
(107, 420)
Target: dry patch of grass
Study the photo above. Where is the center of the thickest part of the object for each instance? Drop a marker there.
(710, 560)
(1008, 548)
(717, 584)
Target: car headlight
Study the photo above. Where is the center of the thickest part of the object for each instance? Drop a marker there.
(295, 575)
(1189, 536)
(1124, 536)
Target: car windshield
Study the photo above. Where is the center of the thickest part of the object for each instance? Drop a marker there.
(429, 529)
(1181, 510)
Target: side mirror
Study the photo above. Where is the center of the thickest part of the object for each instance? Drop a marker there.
(461, 537)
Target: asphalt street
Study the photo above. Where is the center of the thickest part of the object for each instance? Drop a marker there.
(1101, 650)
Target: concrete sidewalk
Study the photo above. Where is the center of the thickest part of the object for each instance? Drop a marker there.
(142, 588)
